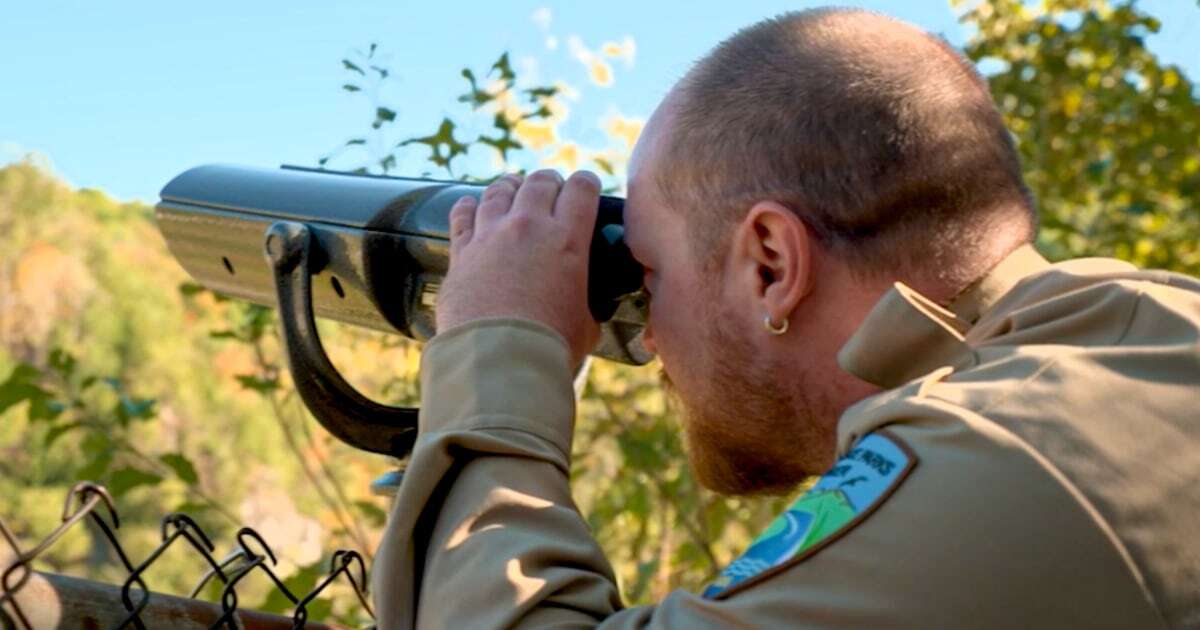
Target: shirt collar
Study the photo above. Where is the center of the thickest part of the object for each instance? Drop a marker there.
(907, 335)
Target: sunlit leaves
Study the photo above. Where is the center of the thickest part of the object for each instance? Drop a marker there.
(1106, 132)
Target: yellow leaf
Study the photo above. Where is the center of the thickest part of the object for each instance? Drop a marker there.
(1170, 78)
(624, 129)
(624, 50)
(535, 135)
(1143, 248)
(1071, 102)
(601, 73)
(567, 157)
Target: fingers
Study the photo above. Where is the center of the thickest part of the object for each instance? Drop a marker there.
(536, 195)
(497, 198)
(462, 223)
(578, 204)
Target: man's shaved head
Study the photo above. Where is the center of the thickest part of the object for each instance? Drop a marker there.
(881, 137)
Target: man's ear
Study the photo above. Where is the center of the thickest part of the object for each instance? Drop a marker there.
(771, 254)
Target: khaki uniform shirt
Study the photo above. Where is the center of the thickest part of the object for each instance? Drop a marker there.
(1046, 429)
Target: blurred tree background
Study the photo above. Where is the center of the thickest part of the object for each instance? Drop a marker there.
(113, 367)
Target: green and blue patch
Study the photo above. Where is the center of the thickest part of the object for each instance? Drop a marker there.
(856, 485)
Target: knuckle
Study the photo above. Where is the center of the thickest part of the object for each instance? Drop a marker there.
(503, 186)
(544, 177)
(520, 224)
(585, 182)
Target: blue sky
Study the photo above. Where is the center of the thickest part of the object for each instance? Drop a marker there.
(124, 95)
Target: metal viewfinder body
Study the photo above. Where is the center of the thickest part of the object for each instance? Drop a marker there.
(366, 250)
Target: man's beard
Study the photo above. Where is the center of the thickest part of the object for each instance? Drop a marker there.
(748, 428)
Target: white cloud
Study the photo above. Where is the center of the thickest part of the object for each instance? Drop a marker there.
(542, 17)
(551, 43)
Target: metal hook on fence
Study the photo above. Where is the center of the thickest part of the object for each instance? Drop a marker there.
(88, 495)
(185, 528)
(80, 491)
(256, 561)
(339, 564)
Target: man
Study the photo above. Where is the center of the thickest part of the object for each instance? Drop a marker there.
(837, 248)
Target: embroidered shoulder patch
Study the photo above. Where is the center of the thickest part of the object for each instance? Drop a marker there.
(841, 499)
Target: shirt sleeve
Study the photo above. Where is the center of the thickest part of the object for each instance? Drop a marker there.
(484, 532)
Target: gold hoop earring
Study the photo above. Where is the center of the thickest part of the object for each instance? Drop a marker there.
(771, 327)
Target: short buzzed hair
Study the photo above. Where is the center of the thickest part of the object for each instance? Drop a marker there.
(881, 137)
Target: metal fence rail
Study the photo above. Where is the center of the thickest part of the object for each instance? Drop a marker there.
(34, 600)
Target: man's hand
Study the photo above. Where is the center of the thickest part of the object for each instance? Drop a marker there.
(522, 251)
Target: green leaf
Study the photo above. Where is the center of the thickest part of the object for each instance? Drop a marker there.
(350, 87)
(192, 508)
(444, 138)
(62, 362)
(501, 144)
(506, 72)
(188, 289)
(223, 334)
(260, 385)
(20, 386)
(356, 142)
(181, 466)
(383, 72)
(383, 115)
(541, 92)
(125, 479)
(45, 408)
(58, 431)
(128, 409)
(372, 512)
(255, 320)
(350, 65)
(475, 96)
